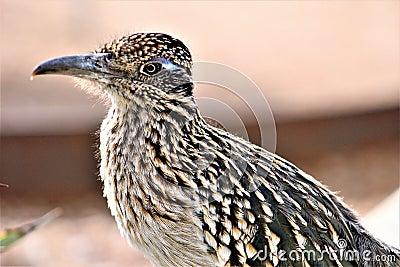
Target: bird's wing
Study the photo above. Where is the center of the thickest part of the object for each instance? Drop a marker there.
(261, 210)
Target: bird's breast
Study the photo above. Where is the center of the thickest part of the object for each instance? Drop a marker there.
(140, 199)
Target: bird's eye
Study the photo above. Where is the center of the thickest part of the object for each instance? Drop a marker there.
(151, 68)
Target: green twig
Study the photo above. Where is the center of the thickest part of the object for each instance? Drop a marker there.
(9, 236)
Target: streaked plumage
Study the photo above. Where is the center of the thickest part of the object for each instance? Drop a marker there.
(190, 194)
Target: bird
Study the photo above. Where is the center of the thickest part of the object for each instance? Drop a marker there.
(187, 193)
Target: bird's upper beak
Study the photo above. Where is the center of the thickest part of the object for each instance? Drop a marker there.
(82, 66)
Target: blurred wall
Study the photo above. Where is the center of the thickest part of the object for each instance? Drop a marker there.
(309, 58)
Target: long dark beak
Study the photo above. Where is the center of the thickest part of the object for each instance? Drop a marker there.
(77, 65)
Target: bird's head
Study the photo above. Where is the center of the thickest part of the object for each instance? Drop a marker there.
(142, 65)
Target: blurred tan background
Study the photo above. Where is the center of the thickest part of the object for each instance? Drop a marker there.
(329, 70)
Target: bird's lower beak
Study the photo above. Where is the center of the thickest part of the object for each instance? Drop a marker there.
(82, 66)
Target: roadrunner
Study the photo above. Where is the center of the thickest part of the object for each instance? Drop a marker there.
(190, 194)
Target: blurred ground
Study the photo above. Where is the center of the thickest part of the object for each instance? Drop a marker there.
(86, 235)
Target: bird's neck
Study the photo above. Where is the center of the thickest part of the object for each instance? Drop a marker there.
(147, 150)
(159, 120)
(152, 132)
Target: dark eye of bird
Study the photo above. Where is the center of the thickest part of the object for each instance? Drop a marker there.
(151, 68)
